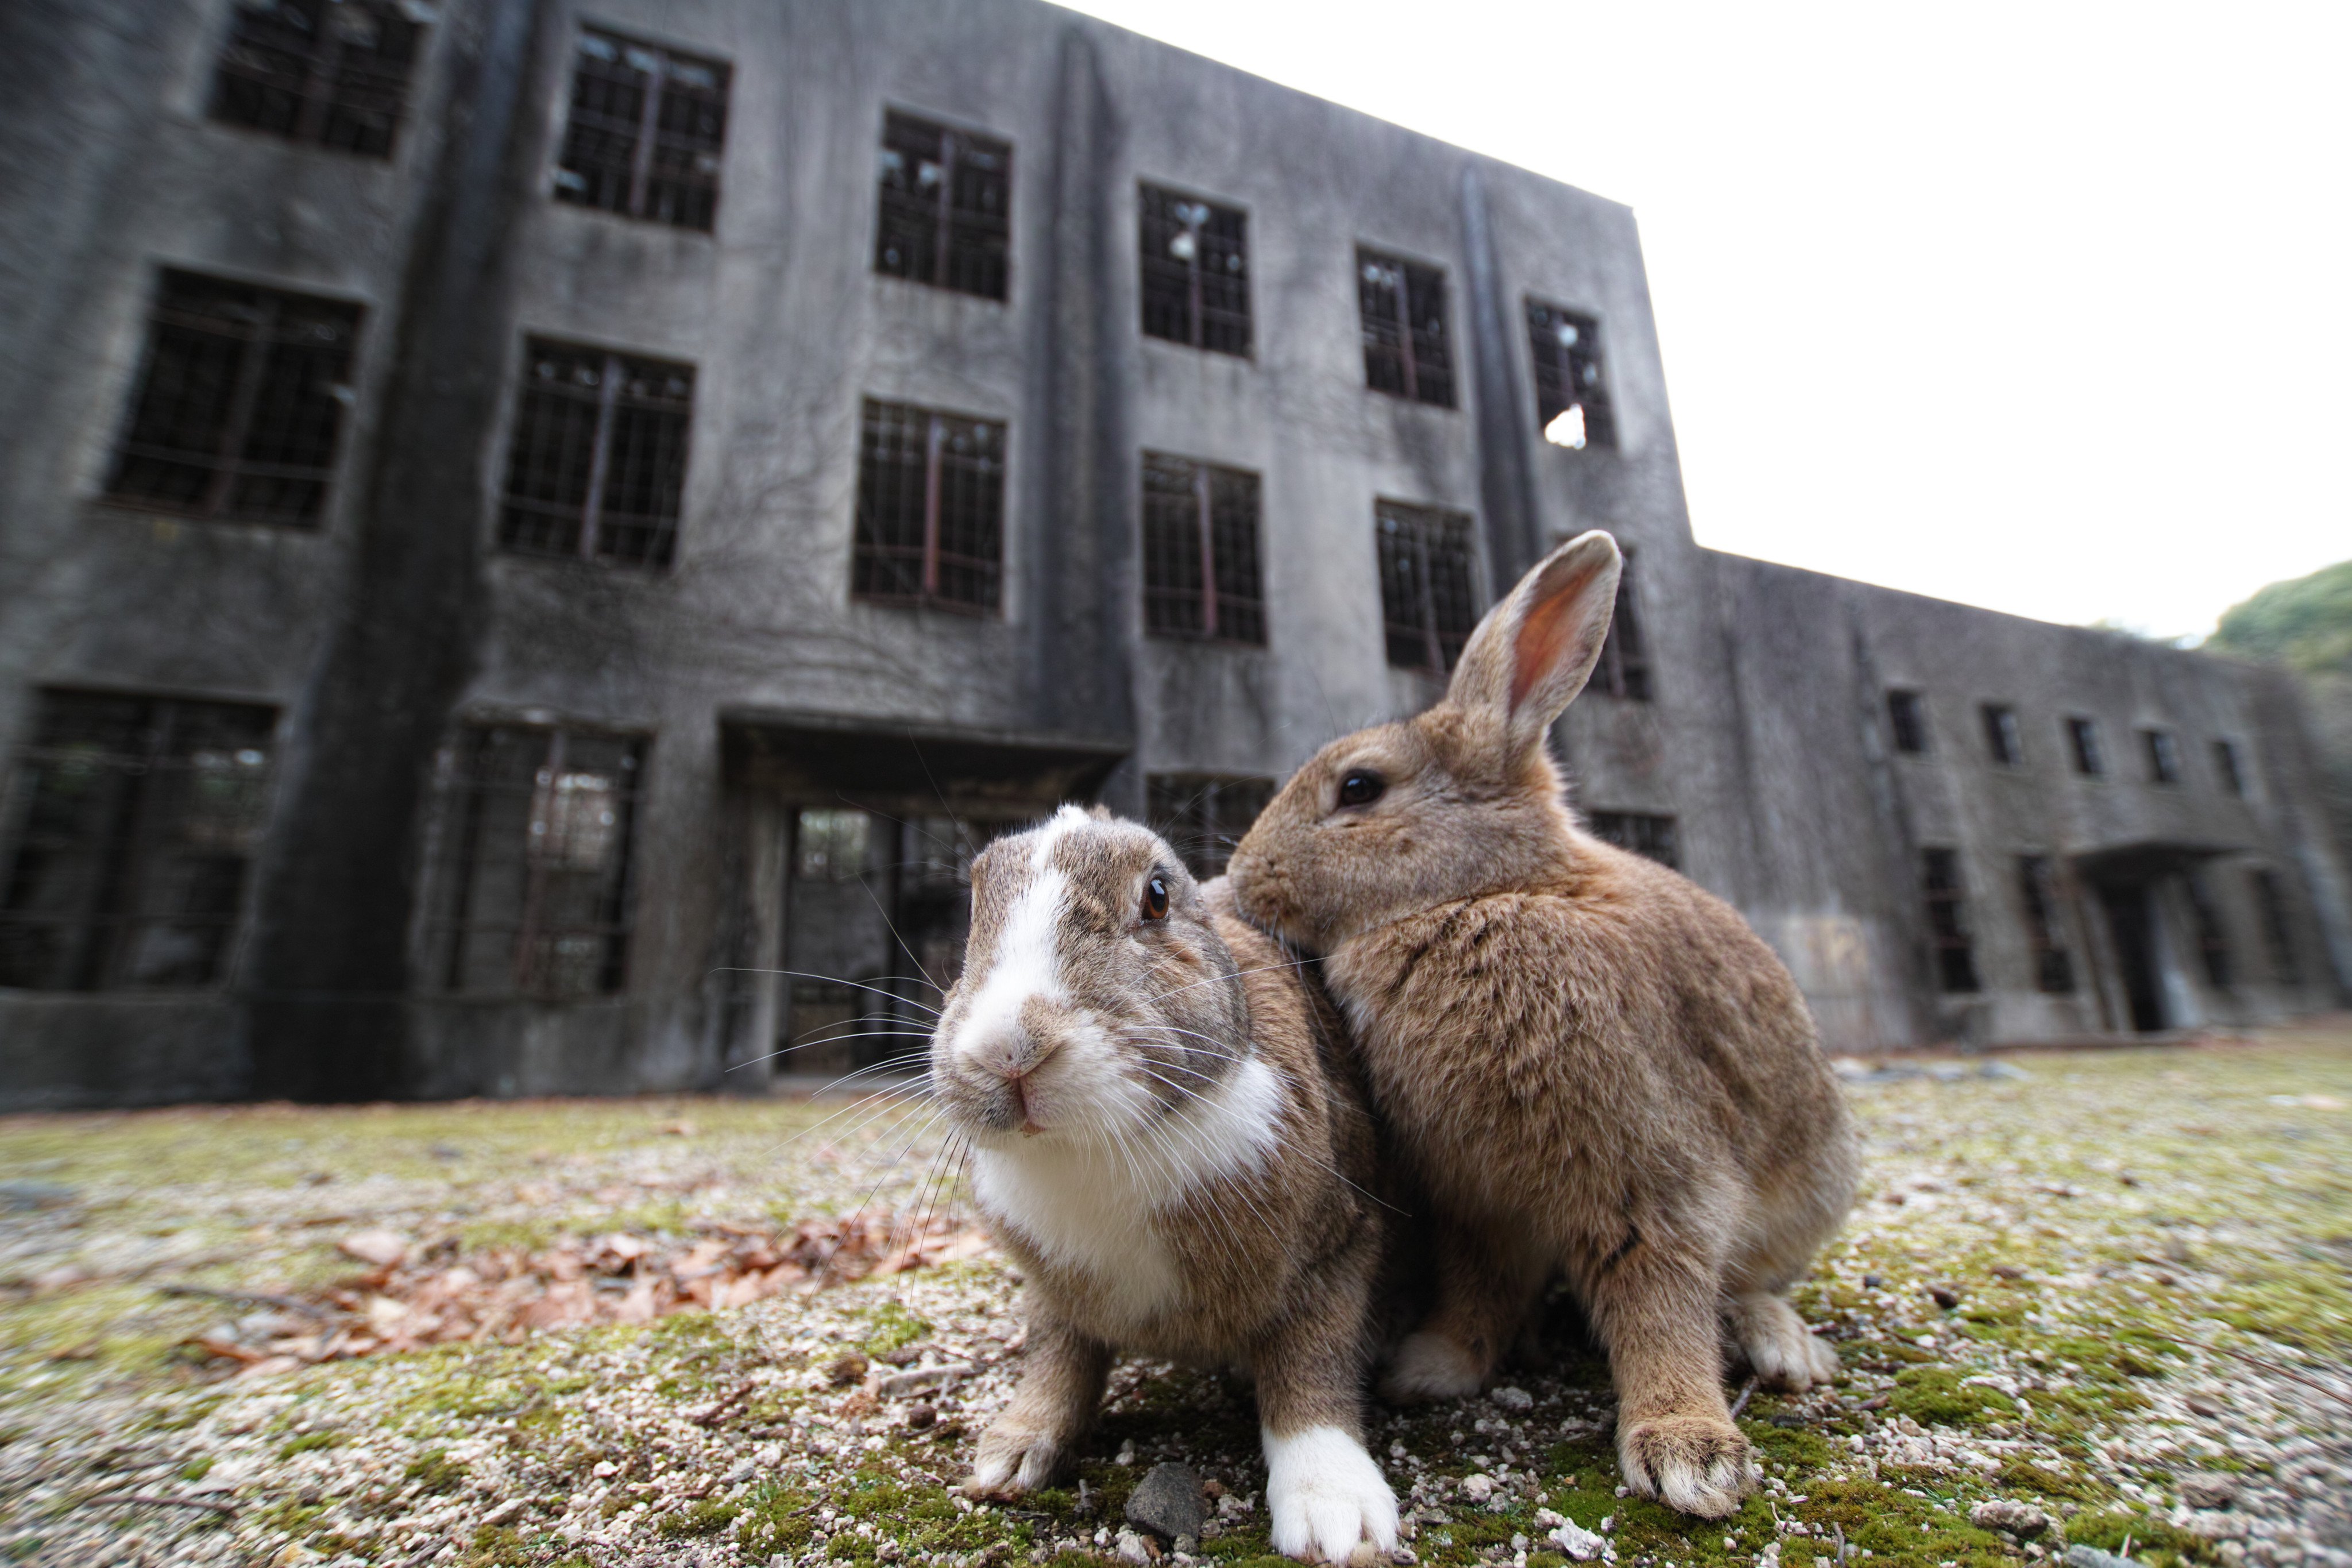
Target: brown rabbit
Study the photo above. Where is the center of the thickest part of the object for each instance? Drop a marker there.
(1169, 1136)
(1595, 1067)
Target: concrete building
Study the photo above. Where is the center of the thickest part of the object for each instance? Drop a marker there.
(521, 518)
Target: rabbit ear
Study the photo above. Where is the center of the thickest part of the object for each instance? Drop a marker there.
(1534, 651)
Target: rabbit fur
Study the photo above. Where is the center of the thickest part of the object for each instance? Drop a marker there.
(1594, 1068)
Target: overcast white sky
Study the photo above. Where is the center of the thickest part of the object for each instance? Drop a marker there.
(2043, 307)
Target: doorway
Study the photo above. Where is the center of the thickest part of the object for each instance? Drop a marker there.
(2133, 928)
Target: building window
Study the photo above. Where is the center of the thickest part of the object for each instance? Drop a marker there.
(1947, 925)
(2002, 738)
(531, 895)
(1200, 552)
(2082, 734)
(2037, 887)
(946, 207)
(1427, 603)
(240, 403)
(138, 815)
(1572, 406)
(597, 465)
(1403, 305)
(931, 509)
(1196, 272)
(1204, 815)
(330, 71)
(1625, 667)
(645, 131)
(1907, 715)
(2163, 756)
(1640, 832)
(2269, 901)
(2225, 765)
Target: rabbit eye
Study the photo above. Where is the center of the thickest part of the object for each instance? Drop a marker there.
(1361, 788)
(1155, 899)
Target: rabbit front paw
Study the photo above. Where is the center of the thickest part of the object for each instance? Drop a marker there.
(1014, 1458)
(1695, 1464)
(1430, 1366)
(1326, 1498)
(1781, 1351)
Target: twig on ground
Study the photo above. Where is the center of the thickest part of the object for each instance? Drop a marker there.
(248, 1299)
(726, 1406)
(1740, 1404)
(2287, 1371)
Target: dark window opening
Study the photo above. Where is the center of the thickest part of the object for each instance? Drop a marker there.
(1200, 552)
(240, 403)
(1406, 352)
(532, 897)
(1907, 715)
(2225, 765)
(1572, 408)
(2270, 901)
(1196, 272)
(1625, 667)
(334, 72)
(2004, 739)
(946, 207)
(2037, 887)
(646, 133)
(1947, 925)
(1428, 606)
(2212, 936)
(2084, 734)
(1204, 815)
(2163, 756)
(139, 817)
(596, 467)
(930, 510)
(1640, 832)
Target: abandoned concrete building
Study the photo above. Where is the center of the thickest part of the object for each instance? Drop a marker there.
(523, 520)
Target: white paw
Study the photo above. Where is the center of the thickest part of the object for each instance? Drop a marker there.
(1327, 1496)
(1430, 1366)
(1695, 1464)
(1013, 1461)
(1781, 1351)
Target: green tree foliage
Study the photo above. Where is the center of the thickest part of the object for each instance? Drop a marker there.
(2305, 624)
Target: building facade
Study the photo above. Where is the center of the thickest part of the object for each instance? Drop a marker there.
(539, 535)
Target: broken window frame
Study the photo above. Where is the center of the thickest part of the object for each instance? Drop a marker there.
(2230, 769)
(1193, 266)
(963, 504)
(1907, 720)
(1416, 547)
(1644, 833)
(2038, 894)
(2004, 736)
(2278, 933)
(1570, 371)
(660, 161)
(252, 374)
(1200, 558)
(1623, 670)
(2082, 738)
(2161, 749)
(637, 446)
(176, 798)
(1404, 355)
(1204, 815)
(959, 239)
(302, 69)
(1944, 897)
(471, 855)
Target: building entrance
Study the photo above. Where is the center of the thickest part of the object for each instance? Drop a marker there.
(2133, 930)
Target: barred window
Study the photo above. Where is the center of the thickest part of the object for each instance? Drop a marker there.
(2083, 735)
(2212, 936)
(1428, 605)
(1625, 667)
(1641, 832)
(1572, 408)
(334, 72)
(596, 467)
(1907, 715)
(946, 207)
(1204, 815)
(1196, 272)
(240, 403)
(645, 131)
(2037, 890)
(132, 821)
(531, 894)
(1406, 349)
(2004, 739)
(2225, 767)
(931, 509)
(2163, 756)
(1200, 552)
(1948, 923)
(2270, 902)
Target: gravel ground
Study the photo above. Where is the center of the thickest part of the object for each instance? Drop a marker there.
(2095, 1300)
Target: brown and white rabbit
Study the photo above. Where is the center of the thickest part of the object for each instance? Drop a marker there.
(1594, 1068)
(1168, 1135)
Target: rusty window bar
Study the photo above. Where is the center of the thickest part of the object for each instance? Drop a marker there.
(645, 131)
(1907, 715)
(2083, 735)
(333, 72)
(2163, 756)
(1625, 668)
(1643, 833)
(239, 404)
(596, 467)
(1402, 305)
(1195, 272)
(1428, 605)
(2037, 887)
(1948, 928)
(1565, 345)
(2226, 765)
(1204, 815)
(2004, 740)
(945, 206)
(930, 510)
(1200, 552)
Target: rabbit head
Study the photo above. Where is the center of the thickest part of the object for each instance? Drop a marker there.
(1459, 801)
